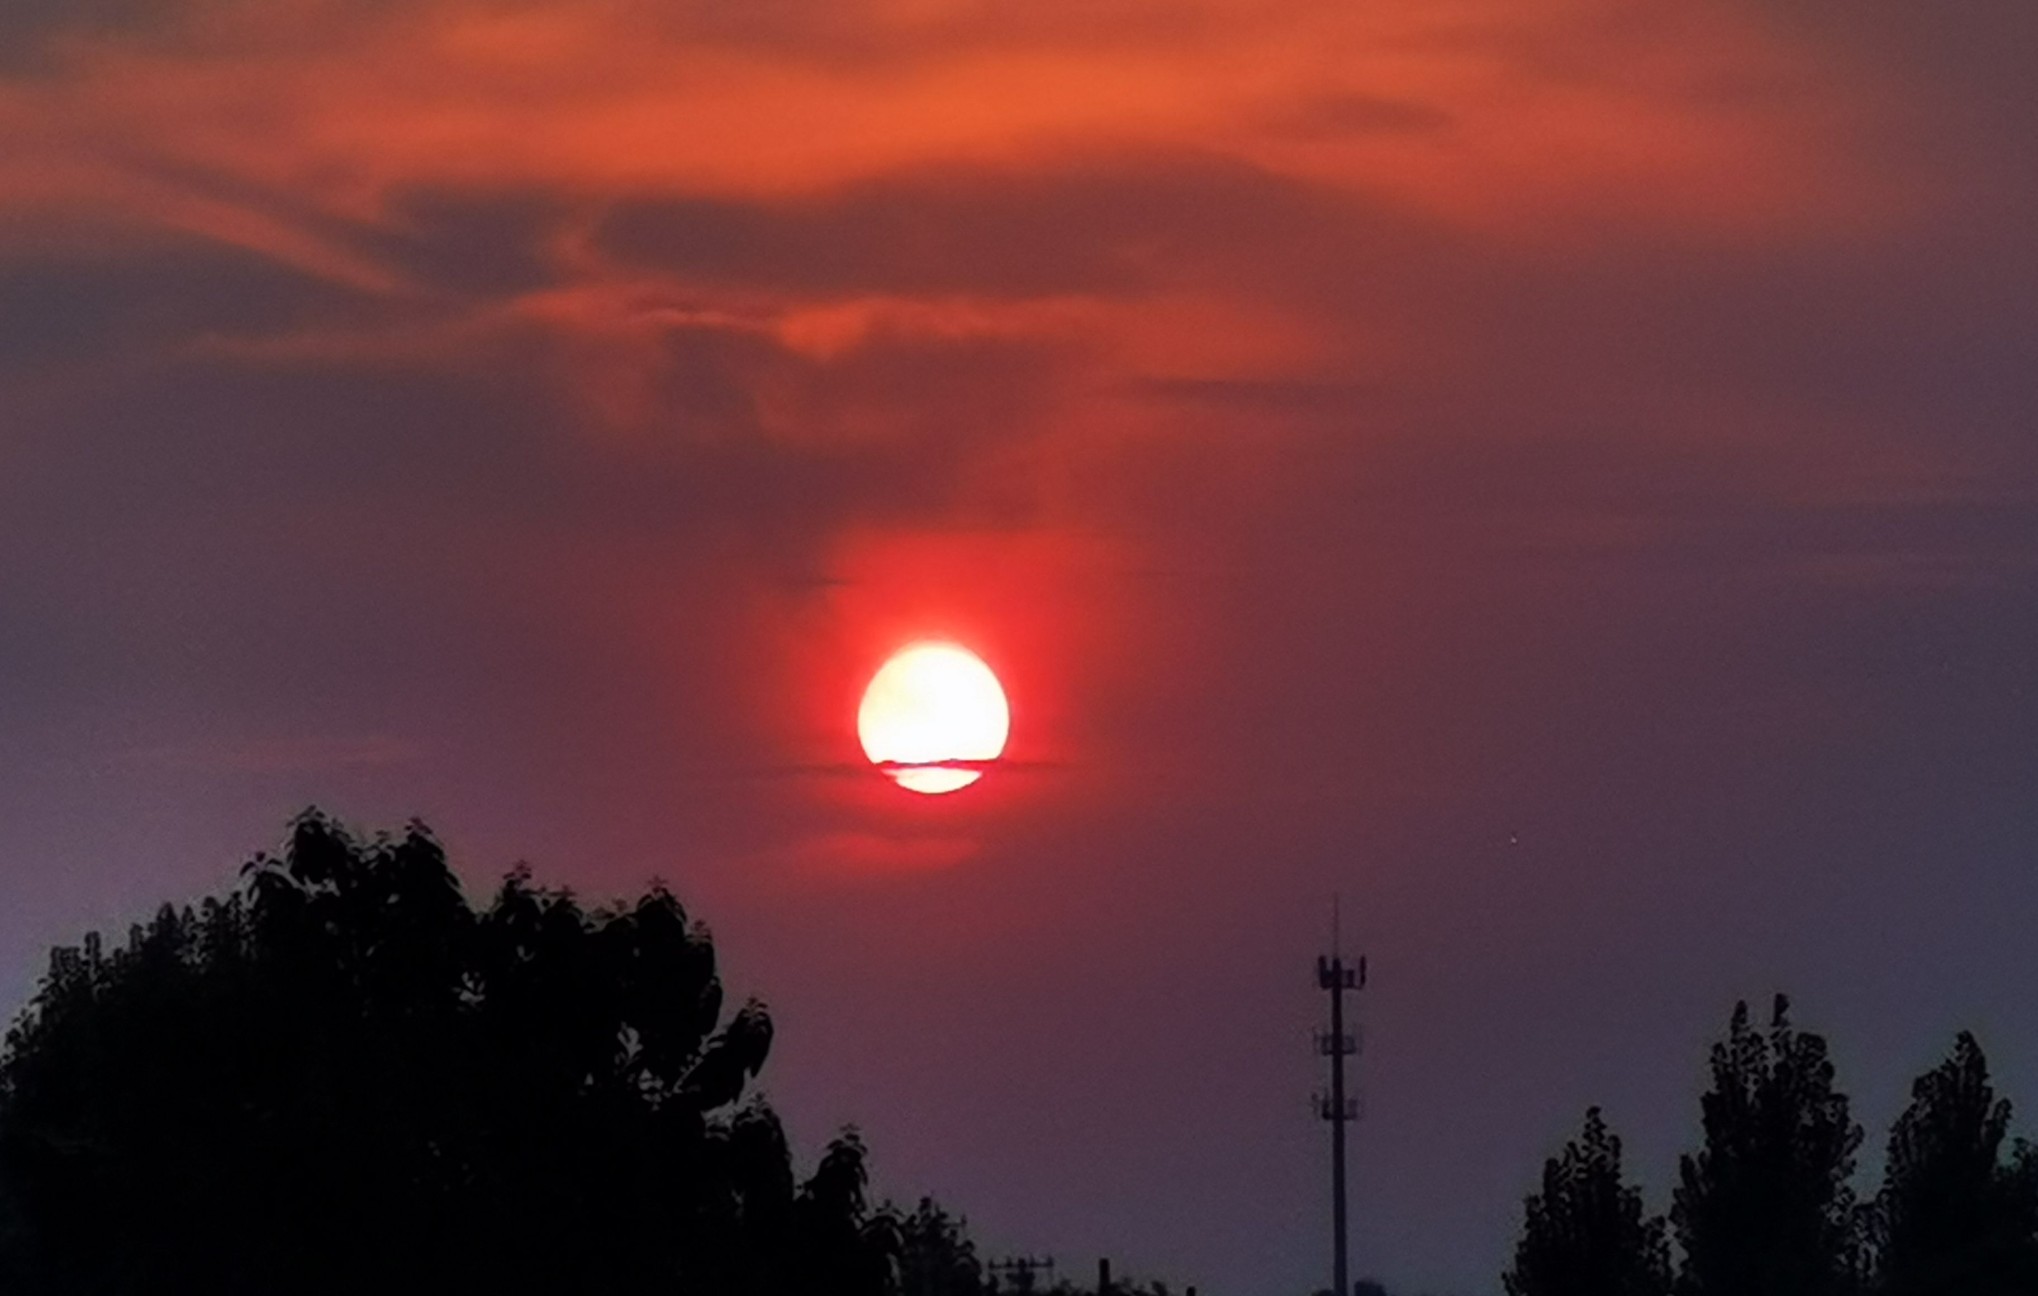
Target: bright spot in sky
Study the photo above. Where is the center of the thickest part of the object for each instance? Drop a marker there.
(931, 705)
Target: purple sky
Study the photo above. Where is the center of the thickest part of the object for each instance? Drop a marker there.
(1560, 474)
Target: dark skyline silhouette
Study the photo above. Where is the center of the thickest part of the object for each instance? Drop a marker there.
(344, 1075)
(1772, 1203)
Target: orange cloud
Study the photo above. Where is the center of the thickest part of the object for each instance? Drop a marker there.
(1526, 111)
(937, 231)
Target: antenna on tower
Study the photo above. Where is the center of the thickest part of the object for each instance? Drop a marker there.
(1337, 1044)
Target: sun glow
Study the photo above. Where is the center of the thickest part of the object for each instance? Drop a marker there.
(932, 716)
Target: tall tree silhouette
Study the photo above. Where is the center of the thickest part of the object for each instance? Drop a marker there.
(1764, 1208)
(342, 1077)
(1954, 1218)
(1585, 1233)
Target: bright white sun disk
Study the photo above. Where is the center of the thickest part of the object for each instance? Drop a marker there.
(933, 705)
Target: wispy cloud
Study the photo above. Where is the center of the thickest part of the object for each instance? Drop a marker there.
(276, 755)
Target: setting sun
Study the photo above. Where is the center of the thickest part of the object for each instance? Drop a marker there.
(931, 715)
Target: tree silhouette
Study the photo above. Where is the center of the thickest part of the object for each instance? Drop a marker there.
(1585, 1233)
(344, 1078)
(936, 1255)
(1953, 1218)
(1764, 1209)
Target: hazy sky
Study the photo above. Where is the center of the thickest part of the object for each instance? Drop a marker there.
(1560, 471)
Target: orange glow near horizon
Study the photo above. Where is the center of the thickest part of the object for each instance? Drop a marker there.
(930, 715)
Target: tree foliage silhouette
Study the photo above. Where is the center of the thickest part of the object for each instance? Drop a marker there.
(1954, 1218)
(1585, 1233)
(1764, 1209)
(936, 1255)
(342, 1077)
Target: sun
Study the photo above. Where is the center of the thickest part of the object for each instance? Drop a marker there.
(932, 716)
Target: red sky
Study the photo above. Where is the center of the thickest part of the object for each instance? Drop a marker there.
(1558, 472)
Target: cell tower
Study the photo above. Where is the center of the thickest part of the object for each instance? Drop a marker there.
(1337, 1044)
